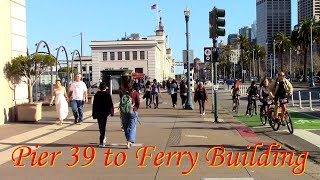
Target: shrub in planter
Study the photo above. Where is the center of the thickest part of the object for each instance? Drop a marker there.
(28, 69)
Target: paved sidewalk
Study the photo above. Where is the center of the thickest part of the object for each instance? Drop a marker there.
(169, 130)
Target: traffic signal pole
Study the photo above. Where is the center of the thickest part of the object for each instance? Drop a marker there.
(214, 65)
(215, 30)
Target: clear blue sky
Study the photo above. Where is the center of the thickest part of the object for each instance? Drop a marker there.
(59, 22)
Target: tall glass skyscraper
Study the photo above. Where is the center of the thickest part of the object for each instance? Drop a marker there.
(273, 16)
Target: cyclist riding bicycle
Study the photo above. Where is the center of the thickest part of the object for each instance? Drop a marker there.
(279, 89)
(252, 92)
(235, 93)
(264, 93)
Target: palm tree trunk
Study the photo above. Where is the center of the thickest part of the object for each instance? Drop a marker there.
(305, 65)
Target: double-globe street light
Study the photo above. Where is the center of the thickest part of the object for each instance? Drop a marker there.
(189, 104)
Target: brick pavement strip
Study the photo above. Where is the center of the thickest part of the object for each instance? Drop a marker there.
(168, 130)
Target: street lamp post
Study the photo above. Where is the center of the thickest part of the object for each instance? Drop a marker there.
(242, 74)
(290, 65)
(311, 56)
(189, 104)
(274, 57)
(254, 73)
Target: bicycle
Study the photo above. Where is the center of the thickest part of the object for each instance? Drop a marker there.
(236, 103)
(265, 112)
(251, 105)
(275, 125)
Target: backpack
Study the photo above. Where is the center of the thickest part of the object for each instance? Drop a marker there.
(253, 91)
(126, 105)
(202, 94)
(235, 91)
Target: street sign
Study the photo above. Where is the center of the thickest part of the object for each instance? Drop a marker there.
(208, 54)
(184, 52)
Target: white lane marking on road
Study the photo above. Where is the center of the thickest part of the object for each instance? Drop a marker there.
(196, 136)
(302, 121)
(120, 144)
(212, 120)
(45, 139)
(308, 136)
(227, 178)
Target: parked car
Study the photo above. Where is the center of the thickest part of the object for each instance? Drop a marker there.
(220, 81)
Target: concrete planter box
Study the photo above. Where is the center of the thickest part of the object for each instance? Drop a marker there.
(29, 112)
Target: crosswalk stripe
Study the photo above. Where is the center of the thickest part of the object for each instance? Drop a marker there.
(308, 136)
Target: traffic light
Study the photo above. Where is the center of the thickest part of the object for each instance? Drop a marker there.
(217, 23)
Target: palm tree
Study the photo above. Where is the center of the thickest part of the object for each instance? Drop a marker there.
(244, 45)
(300, 38)
(227, 52)
(282, 43)
(261, 53)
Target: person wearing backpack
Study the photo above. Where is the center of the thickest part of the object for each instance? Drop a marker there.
(129, 105)
(252, 92)
(102, 107)
(183, 93)
(201, 95)
(155, 93)
(174, 93)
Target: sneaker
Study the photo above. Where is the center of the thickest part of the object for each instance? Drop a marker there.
(204, 113)
(103, 145)
(76, 121)
(104, 140)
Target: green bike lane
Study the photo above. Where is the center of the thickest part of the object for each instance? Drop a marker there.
(306, 135)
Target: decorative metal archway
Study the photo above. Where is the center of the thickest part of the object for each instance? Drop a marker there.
(76, 52)
(37, 51)
(68, 72)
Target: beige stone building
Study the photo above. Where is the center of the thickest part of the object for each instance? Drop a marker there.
(150, 56)
(13, 43)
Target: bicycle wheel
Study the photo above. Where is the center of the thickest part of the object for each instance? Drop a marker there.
(237, 106)
(274, 125)
(263, 117)
(289, 123)
(251, 109)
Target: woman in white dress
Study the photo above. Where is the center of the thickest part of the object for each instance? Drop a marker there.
(61, 101)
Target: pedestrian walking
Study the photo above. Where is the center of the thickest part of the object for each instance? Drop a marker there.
(129, 106)
(137, 86)
(147, 94)
(102, 107)
(174, 92)
(61, 101)
(78, 92)
(183, 93)
(155, 93)
(201, 95)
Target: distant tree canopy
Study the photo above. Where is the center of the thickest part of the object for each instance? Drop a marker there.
(64, 69)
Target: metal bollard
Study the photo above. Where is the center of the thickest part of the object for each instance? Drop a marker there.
(292, 100)
(215, 107)
(310, 100)
(300, 100)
